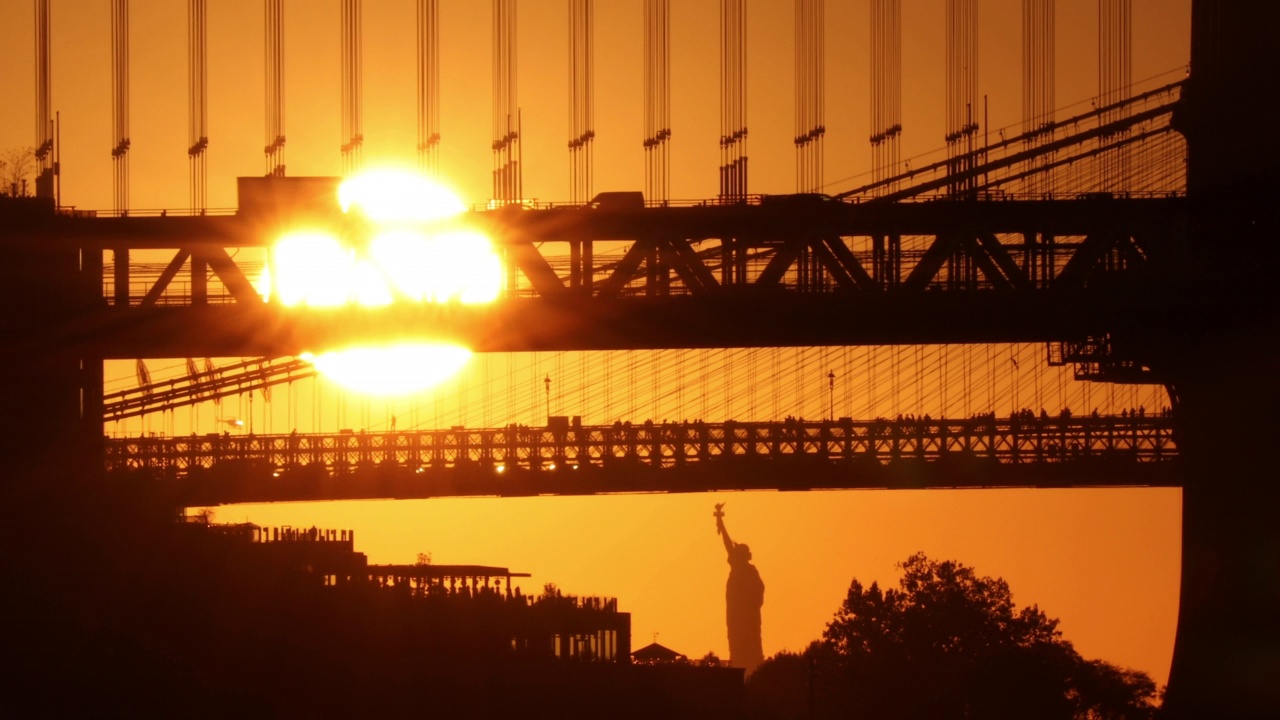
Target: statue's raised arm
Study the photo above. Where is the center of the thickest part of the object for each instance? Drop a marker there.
(719, 515)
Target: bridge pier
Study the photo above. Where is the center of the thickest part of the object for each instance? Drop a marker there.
(57, 520)
(51, 414)
(1224, 374)
(1227, 653)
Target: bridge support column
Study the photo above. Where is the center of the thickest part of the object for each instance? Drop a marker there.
(1226, 377)
(1227, 654)
(56, 528)
(51, 414)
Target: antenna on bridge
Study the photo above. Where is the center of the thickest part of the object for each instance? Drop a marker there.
(507, 182)
(120, 104)
(582, 107)
(1038, 103)
(962, 92)
(733, 100)
(1115, 75)
(657, 99)
(810, 89)
(886, 90)
(274, 148)
(352, 85)
(197, 114)
(429, 86)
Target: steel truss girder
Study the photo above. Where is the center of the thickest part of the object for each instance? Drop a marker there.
(701, 276)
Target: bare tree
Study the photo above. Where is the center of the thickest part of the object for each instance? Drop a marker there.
(16, 166)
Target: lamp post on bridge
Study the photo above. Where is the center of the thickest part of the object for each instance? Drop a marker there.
(831, 396)
(547, 382)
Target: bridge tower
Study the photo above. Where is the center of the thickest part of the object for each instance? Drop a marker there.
(1221, 365)
(51, 415)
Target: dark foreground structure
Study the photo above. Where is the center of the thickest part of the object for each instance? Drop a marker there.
(238, 620)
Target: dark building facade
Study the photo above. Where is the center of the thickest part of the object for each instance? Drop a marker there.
(309, 627)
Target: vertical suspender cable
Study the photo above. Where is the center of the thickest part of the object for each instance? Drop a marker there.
(197, 113)
(428, 86)
(273, 147)
(46, 167)
(120, 103)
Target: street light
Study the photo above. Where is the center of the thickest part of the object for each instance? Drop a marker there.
(547, 382)
(831, 396)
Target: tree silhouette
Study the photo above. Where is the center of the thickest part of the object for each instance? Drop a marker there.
(947, 643)
(16, 164)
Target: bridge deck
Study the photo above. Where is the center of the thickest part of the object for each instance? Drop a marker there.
(808, 271)
(666, 457)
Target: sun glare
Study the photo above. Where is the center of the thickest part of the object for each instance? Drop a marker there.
(407, 256)
(408, 262)
(398, 196)
(400, 369)
(475, 273)
(408, 251)
(368, 286)
(311, 268)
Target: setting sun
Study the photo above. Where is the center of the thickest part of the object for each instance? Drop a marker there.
(410, 252)
(387, 196)
(311, 268)
(390, 370)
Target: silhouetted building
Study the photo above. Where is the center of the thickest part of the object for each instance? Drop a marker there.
(304, 623)
(547, 627)
(655, 654)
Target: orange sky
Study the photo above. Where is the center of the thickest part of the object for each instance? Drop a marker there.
(1104, 561)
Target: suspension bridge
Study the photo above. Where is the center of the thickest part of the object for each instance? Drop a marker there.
(1137, 238)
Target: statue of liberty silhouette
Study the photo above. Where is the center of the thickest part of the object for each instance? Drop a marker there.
(743, 597)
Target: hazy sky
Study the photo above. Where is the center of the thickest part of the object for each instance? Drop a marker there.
(1104, 561)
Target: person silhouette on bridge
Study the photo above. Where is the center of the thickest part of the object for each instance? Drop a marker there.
(743, 596)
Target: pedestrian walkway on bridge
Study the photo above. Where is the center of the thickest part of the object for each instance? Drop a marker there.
(566, 457)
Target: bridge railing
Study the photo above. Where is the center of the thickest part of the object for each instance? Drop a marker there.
(73, 211)
(1023, 439)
